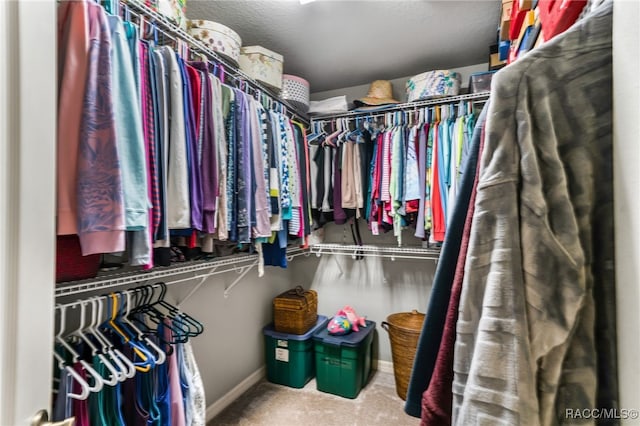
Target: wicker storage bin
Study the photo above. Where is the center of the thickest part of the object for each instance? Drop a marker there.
(404, 330)
(295, 311)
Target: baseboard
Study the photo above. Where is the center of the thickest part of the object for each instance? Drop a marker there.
(384, 366)
(222, 403)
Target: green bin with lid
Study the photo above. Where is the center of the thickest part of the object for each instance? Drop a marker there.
(343, 363)
(289, 357)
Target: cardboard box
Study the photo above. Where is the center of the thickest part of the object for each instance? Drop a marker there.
(262, 65)
(505, 22)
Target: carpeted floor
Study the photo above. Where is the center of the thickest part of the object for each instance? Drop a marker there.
(268, 404)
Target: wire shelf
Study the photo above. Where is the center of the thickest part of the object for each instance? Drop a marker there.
(408, 106)
(215, 266)
(198, 46)
(376, 251)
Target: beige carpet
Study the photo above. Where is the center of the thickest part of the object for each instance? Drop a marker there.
(268, 404)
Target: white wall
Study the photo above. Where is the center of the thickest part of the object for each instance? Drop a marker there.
(398, 84)
(626, 131)
(374, 287)
(231, 347)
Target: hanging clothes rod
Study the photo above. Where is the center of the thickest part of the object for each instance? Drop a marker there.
(60, 306)
(376, 251)
(175, 33)
(240, 81)
(406, 107)
(216, 266)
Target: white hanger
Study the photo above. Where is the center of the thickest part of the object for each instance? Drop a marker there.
(84, 386)
(115, 374)
(124, 363)
(98, 381)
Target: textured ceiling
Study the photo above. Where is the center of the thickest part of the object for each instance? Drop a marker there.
(335, 44)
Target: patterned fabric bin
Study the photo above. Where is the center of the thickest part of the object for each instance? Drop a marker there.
(217, 37)
(262, 65)
(433, 84)
(175, 10)
(296, 90)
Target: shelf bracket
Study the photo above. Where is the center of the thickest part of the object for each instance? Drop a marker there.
(244, 271)
(335, 258)
(193, 291)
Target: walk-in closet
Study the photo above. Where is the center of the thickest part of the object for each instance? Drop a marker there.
(323, 212)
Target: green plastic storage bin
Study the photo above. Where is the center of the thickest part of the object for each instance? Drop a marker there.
(343, 363)
(289, 357)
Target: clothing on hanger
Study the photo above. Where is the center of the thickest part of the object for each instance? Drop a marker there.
(195, 161)
(442, 303)
(545, 199)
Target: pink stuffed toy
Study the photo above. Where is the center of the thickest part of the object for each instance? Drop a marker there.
(353, 318)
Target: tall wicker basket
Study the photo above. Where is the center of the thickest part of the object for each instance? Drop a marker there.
(404, 330)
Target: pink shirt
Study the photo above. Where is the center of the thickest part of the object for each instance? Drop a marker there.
(73, 59)
(90, 198)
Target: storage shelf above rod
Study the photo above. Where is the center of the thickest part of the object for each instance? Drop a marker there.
(200, 47)
(408, 106)
(376, 251)
(219, 265)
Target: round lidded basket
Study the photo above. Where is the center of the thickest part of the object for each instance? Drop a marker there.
(219, 38)
(404, 331)
(296, 90)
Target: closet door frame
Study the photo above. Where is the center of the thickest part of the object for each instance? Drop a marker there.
(626, 155)
(28, 68)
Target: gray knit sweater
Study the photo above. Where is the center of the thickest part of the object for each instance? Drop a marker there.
(542, 239)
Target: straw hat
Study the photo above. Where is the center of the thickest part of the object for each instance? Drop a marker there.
(380, 93)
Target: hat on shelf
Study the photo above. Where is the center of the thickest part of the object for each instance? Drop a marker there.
(380, 93)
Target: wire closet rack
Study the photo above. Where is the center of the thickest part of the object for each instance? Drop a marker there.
(407, 107)
(172, 31)
(393, 253)
(189, 271)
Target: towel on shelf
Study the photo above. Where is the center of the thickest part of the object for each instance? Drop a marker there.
(333, 105)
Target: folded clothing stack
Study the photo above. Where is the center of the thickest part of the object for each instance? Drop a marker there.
(333, 105)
